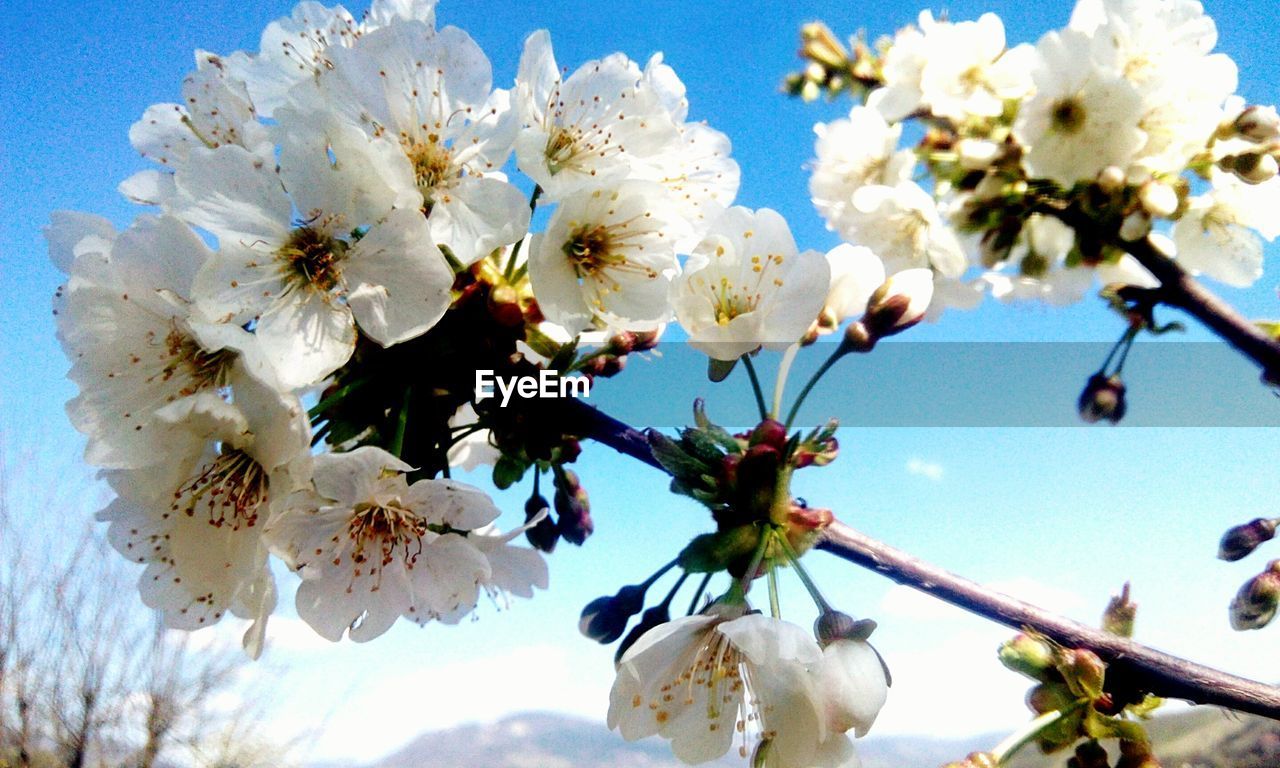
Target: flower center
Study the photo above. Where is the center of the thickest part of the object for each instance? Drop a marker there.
(312, 258)
(1068, 115)
(230, 489)
(380, 532)
(200, 368)
(432, 164)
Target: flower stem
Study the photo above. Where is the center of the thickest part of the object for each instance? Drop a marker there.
(1021, 737)
(805, 578)
(755, 387)
(766, 533)
(775, 607)
(397, 443)
(337, 397)
(780, 384)
(810, 384)
(510, 273)
(697, 596)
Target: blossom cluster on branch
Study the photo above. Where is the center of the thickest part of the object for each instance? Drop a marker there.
(280, 356)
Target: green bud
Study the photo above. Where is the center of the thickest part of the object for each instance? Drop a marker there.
(1031, 655)
(1083, 671)
(1120, 613)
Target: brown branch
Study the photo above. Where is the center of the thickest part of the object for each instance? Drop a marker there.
(1181, 290)
(1143, 667)
(1139, 666)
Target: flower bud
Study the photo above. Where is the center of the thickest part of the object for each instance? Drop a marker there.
(1083, 671)
(1090, 754)
(1243, 539)
(543, 535)
(837, 625)
(857, 338)
(769, 432)
(1258, 124)
(976, 760)
(1158, 199)
(1111, 179)
(1255, 604)
(1102, 399)
(899, 303)
(1136, 754)
(820, 45)
(1135, 226)
(1120, 613)
(573, 508)
(605, 618)
(1030, 655)
(1255, 168)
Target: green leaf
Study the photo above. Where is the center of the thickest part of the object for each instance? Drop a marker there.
(508, 471)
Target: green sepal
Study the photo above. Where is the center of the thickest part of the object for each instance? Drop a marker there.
(508, 471)
(714, 552)
(719, 370)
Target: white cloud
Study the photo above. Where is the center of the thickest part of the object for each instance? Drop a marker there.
(927, 469)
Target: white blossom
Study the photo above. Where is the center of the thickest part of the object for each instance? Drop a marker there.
(1218, 235)
(852, 153)
(1082, 118)
(595, 128)
(856, 272)
(304, 285)
(406, 118)
(702, 680)
(902, 225)
(747, 284)
(607, 259)
(371, 548)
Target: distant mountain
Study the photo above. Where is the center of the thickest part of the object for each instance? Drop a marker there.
(1199, 738)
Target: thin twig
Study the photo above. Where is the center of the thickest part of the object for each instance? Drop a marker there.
(1138, 666)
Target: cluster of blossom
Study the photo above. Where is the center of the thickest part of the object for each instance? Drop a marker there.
(1126, 115)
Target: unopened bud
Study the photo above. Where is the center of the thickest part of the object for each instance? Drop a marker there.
(1255, 168)
(990, 187)
(1090, 754)
(769, 432)
(543, 535)
(1030, 655)
(1255, 604)
(646, 340)
(899, 303)
(1136, 754)
(1102, 399)
(977, 154)
(622, 343)
(573, 508)
(605, 618)
(1120, 614)
(820, 45)
(1241, 540)
(1258, 124)
(1111, 179)
(1135, 226)
(857, 338)
(976, 760)
(1083, 671)
(1159, 199)
(835, 625)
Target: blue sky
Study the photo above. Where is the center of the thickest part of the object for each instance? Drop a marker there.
(1059, 515)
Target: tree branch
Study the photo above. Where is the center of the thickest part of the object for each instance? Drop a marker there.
(1136, 665)
(1142, 667)
(1181, 290)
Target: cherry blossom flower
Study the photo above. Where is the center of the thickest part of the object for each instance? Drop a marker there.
(747, 284)
(607, 259)
(591, 129)
(1082, 118)
(305, 284)
(901, 224)
(430, 136)
(852, 153)
(371, 548)
(1219, 235)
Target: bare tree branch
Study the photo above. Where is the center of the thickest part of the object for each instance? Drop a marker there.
(1131, 664)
